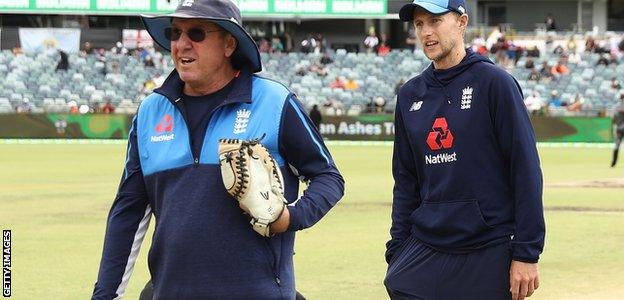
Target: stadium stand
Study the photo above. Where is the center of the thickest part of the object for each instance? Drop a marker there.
(90, 81)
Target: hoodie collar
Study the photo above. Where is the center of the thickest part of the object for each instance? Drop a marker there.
(444, 77)
(240, 91)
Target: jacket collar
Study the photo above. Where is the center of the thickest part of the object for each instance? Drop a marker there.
(240, 91)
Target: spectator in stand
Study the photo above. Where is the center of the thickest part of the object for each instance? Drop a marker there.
(571, 45)
(301, 71)
(24, 107)
(533, 52)
(63, 63)
(148, 86)
(478, 45)
(73, 107)
(337, 84)
(86, 49)
(264, 46)
(149, 62)
(276, 45)
(534, 103)
(119, 49)
(559, 50)
(326, 59)
(578, 104)
(555, 100)
(590, 44)
(17, 50)
(308, 44)
(100, 54)
(534, 76)
(318, 69)
(529, 64)
(351, 84)
(371, 41)
(380, 104)
(603, 60)
(115, 69)
(560, 69)
(615, 84)
(550, 22)
(108, 108)
(320, 44)
(500, 50)
(546, 72)
(383, 48)
(315, 116)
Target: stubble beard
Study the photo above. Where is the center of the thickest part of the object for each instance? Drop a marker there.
(445, 53)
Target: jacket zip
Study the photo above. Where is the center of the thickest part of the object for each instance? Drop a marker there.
(275, 264)
(180, 106)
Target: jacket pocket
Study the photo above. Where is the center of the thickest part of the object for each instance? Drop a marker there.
(452, 223)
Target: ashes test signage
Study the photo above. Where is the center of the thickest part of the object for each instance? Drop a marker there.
(358, 128)
(249, 8)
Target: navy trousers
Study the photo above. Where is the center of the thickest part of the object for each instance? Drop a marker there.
(417, 271)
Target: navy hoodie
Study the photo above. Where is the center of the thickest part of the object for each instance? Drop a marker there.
(465, 164)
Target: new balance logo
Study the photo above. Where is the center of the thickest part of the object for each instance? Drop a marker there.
(242, 119)
(416, 106)
(466, 101)
(265, 195)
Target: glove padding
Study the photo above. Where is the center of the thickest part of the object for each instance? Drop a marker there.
(252, 176)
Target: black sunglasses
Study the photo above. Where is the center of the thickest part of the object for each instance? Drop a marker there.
(195, 34)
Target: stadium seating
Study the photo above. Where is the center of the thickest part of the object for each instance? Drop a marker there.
(33, 77)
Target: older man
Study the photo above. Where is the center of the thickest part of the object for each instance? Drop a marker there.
(467, 216)
(203, 245)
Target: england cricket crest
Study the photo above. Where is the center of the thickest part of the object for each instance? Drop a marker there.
(241, 121)
(466, 100)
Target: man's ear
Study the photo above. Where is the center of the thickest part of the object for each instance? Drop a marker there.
(463, 21)
(230, 45)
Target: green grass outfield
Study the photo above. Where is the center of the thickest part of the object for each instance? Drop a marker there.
(55, 198)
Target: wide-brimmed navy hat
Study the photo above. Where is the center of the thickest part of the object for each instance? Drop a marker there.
(436, 7)
(221, 12)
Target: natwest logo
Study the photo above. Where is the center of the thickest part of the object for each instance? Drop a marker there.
(165, 125)
(441, 137)
(164, 130)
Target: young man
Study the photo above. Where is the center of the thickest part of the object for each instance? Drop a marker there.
(467, 216)
(203, 245)
(618, 129)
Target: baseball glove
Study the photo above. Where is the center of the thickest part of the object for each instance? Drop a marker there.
(253, 177)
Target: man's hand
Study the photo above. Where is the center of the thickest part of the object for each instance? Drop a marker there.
(281, 224)
(523, 279)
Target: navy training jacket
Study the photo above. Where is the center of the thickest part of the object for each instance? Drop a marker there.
(465, 164)
(203, 246)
